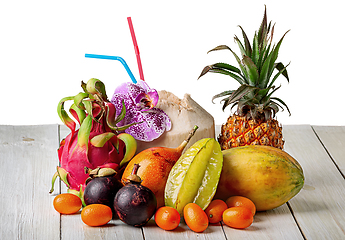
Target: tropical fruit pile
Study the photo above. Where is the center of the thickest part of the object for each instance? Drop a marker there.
(209, 181)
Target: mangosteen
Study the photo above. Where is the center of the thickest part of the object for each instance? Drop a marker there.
(134, 203)
(101, 187)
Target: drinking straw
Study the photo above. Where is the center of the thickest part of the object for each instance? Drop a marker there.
(136, 48)
(114, 58)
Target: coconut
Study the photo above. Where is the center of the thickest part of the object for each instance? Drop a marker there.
(184, 115)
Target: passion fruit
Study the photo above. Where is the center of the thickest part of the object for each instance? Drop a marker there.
(101, 187)
(134, 203)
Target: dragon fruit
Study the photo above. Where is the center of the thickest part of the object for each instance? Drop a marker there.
(97, 143)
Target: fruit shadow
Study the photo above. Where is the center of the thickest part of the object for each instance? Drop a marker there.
(108, 225)
(152, 224)
(251, 228)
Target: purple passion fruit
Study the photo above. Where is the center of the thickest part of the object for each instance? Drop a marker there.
(101, 189)
(134, 203)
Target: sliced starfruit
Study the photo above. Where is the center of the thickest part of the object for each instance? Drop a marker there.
(195, 176)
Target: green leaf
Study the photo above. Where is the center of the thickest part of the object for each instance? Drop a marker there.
(274, 55)
(283, 103)
(222, 47)
(122, 128)
(269, 64)
(228, 67)
(263, 31)
(238, 94)
(266, 52)
(252, 71)
(240, 46)
(88, 107)
(63, 175)
(264, 74)
(274, 107)
(101, 139)
(122, 113)
(274, 89)
(205, 70)
(262, 57)
(279, 66)
(246, 43)
(262, 93)
(234, 76)
(64, 115)
(233, 105)
(225, 69)
(111, 115)
(266, 99)
(255, 53)
(96, 87)
(79, 98)
(56, 174)
(222, 94)
(112, 121)
(277, 75)
(84, 133)
(244, 102)
(77, 113)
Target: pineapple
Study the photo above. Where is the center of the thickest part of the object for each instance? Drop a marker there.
(253, 122)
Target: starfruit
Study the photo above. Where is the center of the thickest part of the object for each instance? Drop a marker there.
(195, 176)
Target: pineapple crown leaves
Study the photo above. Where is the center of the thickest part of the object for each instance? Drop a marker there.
(254, 74)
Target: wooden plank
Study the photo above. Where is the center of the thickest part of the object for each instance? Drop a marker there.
(72, 227)
(153, 232)
(28, 160)
(320, 207)
(333, 138)
(273, 224)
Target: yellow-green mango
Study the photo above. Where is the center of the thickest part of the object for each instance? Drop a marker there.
(194, 177)
(266, 175)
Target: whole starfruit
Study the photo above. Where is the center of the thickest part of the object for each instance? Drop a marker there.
(96, 144)
(195, 176)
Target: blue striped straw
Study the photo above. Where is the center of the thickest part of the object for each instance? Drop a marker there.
(114, 58)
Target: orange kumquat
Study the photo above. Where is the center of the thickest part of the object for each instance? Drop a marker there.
(96, 215)
(238, 217)
(195, 217)
(215, 210)
(239, 201)
(167, 218)
(67, 203)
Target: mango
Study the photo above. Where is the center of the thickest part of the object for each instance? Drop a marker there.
(268, 176)
(194, 177)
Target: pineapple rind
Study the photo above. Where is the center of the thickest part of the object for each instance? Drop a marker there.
(240, 131)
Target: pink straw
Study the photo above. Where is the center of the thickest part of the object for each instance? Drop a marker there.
(136, 49)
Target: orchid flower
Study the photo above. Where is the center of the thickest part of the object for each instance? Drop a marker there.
(140, 101)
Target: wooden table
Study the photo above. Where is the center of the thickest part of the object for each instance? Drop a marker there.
(28, 160)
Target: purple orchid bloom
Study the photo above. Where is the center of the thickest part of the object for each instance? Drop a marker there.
(140, 101)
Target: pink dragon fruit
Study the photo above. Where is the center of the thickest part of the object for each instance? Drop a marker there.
(96, 144)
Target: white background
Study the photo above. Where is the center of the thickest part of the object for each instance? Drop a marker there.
(42, 47)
